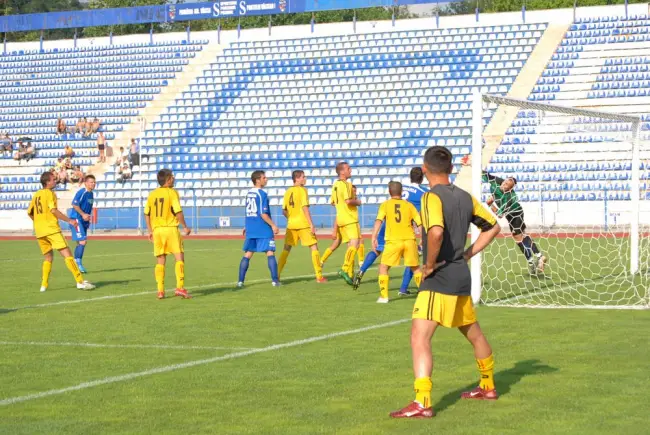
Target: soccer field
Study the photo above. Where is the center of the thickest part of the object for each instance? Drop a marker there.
(300, 359)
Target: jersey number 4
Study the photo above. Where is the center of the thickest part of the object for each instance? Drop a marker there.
(291, 203)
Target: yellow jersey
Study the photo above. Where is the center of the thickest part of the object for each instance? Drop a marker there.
(345, 214)
(295, 199)
(162, 206)
(40, 208)
(399, 215)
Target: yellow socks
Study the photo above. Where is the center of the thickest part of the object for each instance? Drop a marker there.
(315, 261)
(383, 286)
(47, 268)
(348, 265)
(73, 268)
(179, 269)
(159, 273)
(283, 260)
(417, 277)
(422, 388)
(361, 253)
(326, 255)
(486, 367)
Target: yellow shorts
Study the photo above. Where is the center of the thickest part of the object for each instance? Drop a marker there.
(53, 241)
(447, 310)
(167, 240)
(349, 232)
(306, 237)
(395, 250)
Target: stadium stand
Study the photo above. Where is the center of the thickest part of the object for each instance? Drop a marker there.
(376, 100)
(602, 63)
(111, 83)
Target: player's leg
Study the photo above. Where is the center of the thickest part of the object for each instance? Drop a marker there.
(350, 234)
(79, 235)
(484, 360)
(383, 281)
(367, 262)
(336, 242)
(361, 250)
(422, 330)
(273, 267)
(59, 243)
(316, 263)
(412, 269)
(249, 246)
(406, 280)
(290, 240)
(47, 268)
(159, 275)
(517, 228)
(178, 250)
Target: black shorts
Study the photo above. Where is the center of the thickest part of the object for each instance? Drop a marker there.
(100, 147)
(516, 223)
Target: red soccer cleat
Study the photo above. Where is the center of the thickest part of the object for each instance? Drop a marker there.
(479, 393)
(413, 410)
(161, 295)
(321, 280)
(182, 293)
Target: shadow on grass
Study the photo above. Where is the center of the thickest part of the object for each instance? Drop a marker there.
(7, 310)
(123, 269)
(504, 381)
(100, 284)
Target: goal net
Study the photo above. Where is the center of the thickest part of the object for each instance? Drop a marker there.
(576, 232)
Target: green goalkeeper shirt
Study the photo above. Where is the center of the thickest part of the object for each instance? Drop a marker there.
(506, 202)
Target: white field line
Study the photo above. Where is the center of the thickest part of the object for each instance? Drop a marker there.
(118, 346)
(128, 295)
(123, 254)
(189, 364)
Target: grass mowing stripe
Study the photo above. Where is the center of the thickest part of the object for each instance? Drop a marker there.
(122, 254)
(119, 346)
(189, 364)
(127, 295)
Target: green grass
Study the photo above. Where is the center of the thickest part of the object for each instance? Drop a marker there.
(558, 371)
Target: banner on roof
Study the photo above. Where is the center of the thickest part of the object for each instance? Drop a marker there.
(184, 12)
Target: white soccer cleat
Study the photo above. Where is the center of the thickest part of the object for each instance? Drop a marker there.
(43, 288)
(383, 300)
(276, 284)
(240, 284)
(85, 286)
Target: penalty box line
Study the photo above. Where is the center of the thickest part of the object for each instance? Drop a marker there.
(195, 363)
(128, 295)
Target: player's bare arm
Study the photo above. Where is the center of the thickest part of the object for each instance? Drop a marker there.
(60, 216)
(434, 243)
(181, 220)
(483, 240)
(354, 202)
(266, 218)
(147, 220)
(84, 216)
(375, 233)
(307, 213)
(285, 213)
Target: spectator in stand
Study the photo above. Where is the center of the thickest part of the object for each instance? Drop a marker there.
(95, 125)
(60, 127)
(68, 151)
(134, 153)
(123, 172)
(88, 128)
(25, 152)
(101, 146)
(76, 175)
(30, 151)
(5, 144)
(124, 154)
(60, 171)
(79, 128)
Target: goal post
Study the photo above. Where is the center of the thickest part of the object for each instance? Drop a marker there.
(574, 236)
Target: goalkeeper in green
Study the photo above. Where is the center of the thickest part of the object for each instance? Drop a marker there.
(503, 201)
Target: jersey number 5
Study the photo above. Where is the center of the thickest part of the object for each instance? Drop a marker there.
(159, 212)
(398, 213)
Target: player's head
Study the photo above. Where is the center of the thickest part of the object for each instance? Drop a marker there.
(437, 161)
(165, 178)
(416, 175)
(259, 179)
(343, 170)
(299, 178)
(395, 189)
(48, 180)
(89, 182)
(508, 184)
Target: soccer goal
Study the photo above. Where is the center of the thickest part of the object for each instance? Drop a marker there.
(580, 209)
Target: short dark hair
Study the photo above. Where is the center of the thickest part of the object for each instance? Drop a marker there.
(163, 176)
(438, 160)
(256, 175)
(417, 176)
(395, 188)
(45, 177)
(89, 177)
(297, 174)
(339, 167)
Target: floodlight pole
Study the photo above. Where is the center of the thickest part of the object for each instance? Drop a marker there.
(476, 160)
